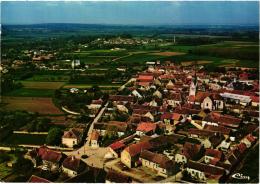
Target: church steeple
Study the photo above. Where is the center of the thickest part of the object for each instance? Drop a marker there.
(193, 85)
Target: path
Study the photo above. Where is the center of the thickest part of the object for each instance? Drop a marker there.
(122, 57)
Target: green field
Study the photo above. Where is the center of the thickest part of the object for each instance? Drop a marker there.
(27, 92)
(4, 170)
(102, 86)
(31, 139)
(49, 77)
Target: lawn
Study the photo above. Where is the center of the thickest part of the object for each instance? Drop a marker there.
(31, 139)
(28, 92)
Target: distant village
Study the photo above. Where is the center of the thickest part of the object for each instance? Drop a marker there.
(174, 124)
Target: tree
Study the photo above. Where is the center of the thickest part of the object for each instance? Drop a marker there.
(23, 166)
(54, 136)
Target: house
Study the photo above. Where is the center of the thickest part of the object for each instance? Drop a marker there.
(94, 139)
(171, 118)
(197, 133)
(158, 162)
(205, 173)
(211, 101)
(51, 160)
(115, 149)
(130, 155)
(174, 99)
(217, 119)
(189, 151)
(117, 127)
(115, 177)
(37, 179)
(153, 103)
(169, 85)
(95, 106)
(146, 128)
(237, 98)
(72, 166)
(255, 101)
(221, 129)
(72, 137)
(122, 108)
(213, 155)
(121, 98)
(248, 140)
(224, 145)
(157, 94)
(137, 94)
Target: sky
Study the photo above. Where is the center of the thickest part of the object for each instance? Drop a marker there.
(131, 12)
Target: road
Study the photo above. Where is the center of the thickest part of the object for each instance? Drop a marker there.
(95, 155)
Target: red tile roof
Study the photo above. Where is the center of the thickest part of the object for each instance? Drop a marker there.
(206, 133)
(37, 179)
(145, 84)
(72, 163)
(145, 78)
(221, 129)
(94, 135)
(117, 145)
(241, 147)
(208, 169)
(191, 150)
(250, 138)
(121, 98)
(75, 133)
(146, 127)
(255, 98)
(214, 153)
(49, 155)
(160, 159)
(136, 149)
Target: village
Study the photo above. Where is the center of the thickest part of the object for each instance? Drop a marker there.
(168, 123)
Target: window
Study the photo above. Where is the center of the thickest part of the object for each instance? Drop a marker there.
(207, 104)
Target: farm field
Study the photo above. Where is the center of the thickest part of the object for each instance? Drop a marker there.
(49, 78)
(42, 85)
(67, 86)
(32, 139)
(32, 104)
(34, 92)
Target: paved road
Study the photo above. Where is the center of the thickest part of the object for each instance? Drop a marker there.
(96, 155)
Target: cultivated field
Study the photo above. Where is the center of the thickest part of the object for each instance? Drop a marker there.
(32, 104)
(42, 85)
(28, 92)
(168, 53)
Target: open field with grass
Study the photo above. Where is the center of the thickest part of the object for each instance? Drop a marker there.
(41, 85)
(33, 139)
(49, 78)
(28, 92)
(4, 170)
(68, 86)
(168, 53)
(32, 104)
